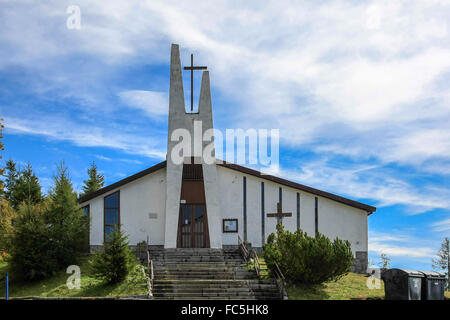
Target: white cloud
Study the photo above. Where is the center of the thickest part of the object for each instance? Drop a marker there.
(99, 156)
(363, 80)
(401, 251)
(400, 244)
(369, 182)
(151, 102)
(87, 136)
(443, 225)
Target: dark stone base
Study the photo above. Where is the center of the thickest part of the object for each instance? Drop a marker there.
(360, 263)
(96, 248)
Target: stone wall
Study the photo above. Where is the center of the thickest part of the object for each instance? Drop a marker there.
(361, 262)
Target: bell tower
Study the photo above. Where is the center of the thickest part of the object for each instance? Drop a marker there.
(192, 216)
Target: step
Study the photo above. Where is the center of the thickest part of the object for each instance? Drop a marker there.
(205, 298)
(202, 290)
(204, 273)
(214, 282)
(205, 294)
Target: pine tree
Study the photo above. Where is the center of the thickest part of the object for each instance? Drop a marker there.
(442, 263)
(68, 226)
(114, 263)
(6, 212)
(2, 170)
(11, 179)
(31, 252)
(8, 216)
(26, 189)
(385, 262)
(95, 181)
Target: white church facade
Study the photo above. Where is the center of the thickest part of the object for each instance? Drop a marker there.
(199, 204)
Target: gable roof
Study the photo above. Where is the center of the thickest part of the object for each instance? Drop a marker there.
(245, 170)
(120, 183)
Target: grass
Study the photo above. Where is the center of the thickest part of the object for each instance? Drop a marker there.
(264, 272)
(350, 287)
(134, 284)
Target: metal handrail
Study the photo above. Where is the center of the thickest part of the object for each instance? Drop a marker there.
(280, 279)
(247, 255)
(243, 249)
(151, 273)
(256, 262)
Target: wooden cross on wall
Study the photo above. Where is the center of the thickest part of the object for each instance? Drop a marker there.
(192, 68)
(280, 214)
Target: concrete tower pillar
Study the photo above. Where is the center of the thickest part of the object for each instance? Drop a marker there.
(179, 119)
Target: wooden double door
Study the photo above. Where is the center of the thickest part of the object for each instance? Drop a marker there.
(193, 226)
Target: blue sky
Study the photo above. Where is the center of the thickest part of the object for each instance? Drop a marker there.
(359, 91)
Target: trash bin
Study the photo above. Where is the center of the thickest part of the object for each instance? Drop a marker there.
(433, 285)
(402, 284)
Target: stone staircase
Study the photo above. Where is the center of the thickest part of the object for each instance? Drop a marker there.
(207, 274)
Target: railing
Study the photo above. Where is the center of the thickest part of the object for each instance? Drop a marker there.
(248, 255)
(149, 264)
(243, 249)
(256, 262)
(251, 254)
(279, 277)
(151, 273)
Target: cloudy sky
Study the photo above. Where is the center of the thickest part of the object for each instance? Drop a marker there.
(359, 91)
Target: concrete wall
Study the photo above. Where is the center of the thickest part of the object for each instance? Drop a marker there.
(179, 119)
(140, 200)
(335, 219)
(146, 196)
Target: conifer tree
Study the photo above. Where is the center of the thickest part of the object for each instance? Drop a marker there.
(114, 263)
(95, 181)
(31, 251)
(6, 212)
(11, 176)
(2, 170)
(442, 262)
(67, 225)
(25, 189)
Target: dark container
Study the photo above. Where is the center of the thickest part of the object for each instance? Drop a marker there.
(433, 285)
(402, 284)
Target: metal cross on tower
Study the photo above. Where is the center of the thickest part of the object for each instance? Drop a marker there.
(192, 68)
(280, 214)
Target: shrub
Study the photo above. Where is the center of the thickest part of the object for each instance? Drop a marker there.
(307, 260)
(30, 257)
(113, 264)
(48, 237)
(7, 217)
(67, 225)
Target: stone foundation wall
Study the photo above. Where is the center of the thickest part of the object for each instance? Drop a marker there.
(96, 248)
(361, 262)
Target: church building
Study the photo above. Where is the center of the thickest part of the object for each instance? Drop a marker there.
(198, 203)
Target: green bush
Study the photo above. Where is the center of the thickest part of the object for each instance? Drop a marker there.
(30, 257)
(307, 260)
(113, 264)
(67, 225)
(50, 236)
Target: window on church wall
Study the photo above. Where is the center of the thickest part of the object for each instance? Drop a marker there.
(111, 214)
(86, 215)
(85, 211)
